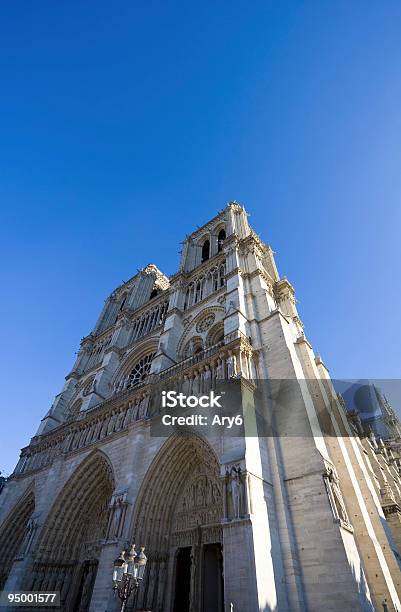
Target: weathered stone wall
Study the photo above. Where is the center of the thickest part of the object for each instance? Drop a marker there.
(308, 520)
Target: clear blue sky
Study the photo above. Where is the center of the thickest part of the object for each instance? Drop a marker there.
(126, 124)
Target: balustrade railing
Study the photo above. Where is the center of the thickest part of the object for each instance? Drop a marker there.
(190, 361)
(235, 335)
(117, 412)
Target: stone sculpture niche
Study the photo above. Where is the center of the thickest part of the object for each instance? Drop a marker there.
(235, 492)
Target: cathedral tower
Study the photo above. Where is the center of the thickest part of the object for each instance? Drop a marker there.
(292, 519)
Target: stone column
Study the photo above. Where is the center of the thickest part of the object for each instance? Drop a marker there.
(102, 594)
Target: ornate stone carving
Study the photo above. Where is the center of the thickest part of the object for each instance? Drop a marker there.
(118, 510)
(88, 387)
(29, 535)
(236, 490)
(206, 322)
(231, 366)
(200, 502)
(332, 483)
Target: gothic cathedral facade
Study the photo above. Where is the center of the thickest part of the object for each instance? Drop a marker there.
(308, 520)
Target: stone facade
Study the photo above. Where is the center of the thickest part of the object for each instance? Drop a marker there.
(308, 520)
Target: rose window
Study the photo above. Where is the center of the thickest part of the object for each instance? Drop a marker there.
(140, 371)
(205, 323)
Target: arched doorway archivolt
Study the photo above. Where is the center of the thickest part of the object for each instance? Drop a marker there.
(179, 508)
(69, 545)
(13, 531)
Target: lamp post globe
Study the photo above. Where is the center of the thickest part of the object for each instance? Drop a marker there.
(128, 572)
(140, 561)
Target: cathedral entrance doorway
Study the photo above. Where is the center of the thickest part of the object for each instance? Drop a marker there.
(211, 595)
(182, 580)
(212, 591)
(85, 582)
(178, 519)
(13, 534)
(69, 547)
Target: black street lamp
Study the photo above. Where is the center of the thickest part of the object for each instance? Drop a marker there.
(128, 572)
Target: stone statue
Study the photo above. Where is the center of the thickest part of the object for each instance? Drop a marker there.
(207, 379)
(142, 408)
(111, 425)
(191, 348)
(196, 383)
(193, 594)
(86, 591)
(127, 415)
(220, 369)
(115, 521)
(335, 495)
(120, 420)
(231, 366)
(28, 536)
(66, 584)
(97, 430)
(236, 491)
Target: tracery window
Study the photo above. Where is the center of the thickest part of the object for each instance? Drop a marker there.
(140, 370)
(146, 322)
(216, 334)
(201, 287)
(96, 352)
(220, 239)
(88, 386)
(193, 347)
(76, 407)
(222, 272)
(205, 251)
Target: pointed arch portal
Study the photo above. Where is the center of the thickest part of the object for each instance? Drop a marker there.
(178, 519)
(12, 534)
(69, 545)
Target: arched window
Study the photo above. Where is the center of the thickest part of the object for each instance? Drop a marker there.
(198, 292)
(154, 294)
(221, 274)
(216, 334)
(193, 347)
(220, 239)
(140, 370)
(13, 534)
(123, 301)
(75, 408)
(88, 387)
(205, 251)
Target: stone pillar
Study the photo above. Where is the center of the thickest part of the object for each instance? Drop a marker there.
(173, 329)
(252, 559)
(371, 531)
(103, 597)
